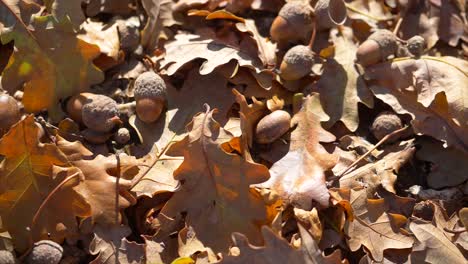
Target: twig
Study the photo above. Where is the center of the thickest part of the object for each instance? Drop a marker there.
(312, 38)
(117, 181)
(383, 140)
(455, 231)
(397, 26)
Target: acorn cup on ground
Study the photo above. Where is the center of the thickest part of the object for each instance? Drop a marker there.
(272, 126)
(293, 23)
(150, 96)
(377, 48)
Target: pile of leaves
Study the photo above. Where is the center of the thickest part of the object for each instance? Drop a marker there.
(197, 185)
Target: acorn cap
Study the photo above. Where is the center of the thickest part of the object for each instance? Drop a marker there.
(7, 257)
(387, 42)
(100, 113)
(293, 23)
(384, 124)
(122, 135)
(45, 252)
(416, 45)
(297, 63)
(149, 85)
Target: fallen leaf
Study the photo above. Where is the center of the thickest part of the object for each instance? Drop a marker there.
(372, 227)
(150, 33)
(65, 10)
(51, 63)
(121, 7)
(418, 19)
(29, 172)
(278, 250)
(205, 45)
(190, 245)
(215, 193)
(432, 246)
(111, 246)
(299, 176)
(341, 87)
(380, 173)
(432, 90)
(266, 48)
(448, 167)
(97, 176)
(370, 11)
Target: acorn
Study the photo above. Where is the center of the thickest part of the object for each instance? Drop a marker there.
(45, 252)
(384, 124)
(122, 136)
(129, 34)
(377, 48)
(416, 45)
(150, 96)
(74, 106)
(272, 126)
(100, 113)
(329, 13)
(9, 113)
(297, 63)
(293, 23)
(7, 257)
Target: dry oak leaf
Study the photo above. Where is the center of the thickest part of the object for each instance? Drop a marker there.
(370, 11)
(432, 245)
(50, 63)
(96, 171)
(153, 26)
(214, 50)
(418, 19)
(380, 173)
(432, 90)
(182, 105)
(299, 176)
(449, 165)
(29, 172)
(215, 193)
(112, 247)
(66, 10)
(278, 250)
(341, 87)
(373, 228)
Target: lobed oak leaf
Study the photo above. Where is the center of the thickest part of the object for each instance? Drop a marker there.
(214, 50)
(215, 196)
(112, 247)
(49, 63)
(97, 177)
(299, 176)
(380, 173)
(341, 87)
(448, 165)
(432, 246)
(66, 10)
(278, 250)
(373, 227)
(182, 105)
(369, 11)
(432, 90)
(29, 172)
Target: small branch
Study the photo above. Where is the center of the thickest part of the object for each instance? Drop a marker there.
(383, 140)
(117, 209)
(312, 38)
(455, 231)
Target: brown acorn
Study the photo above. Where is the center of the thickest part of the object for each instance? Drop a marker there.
(75, 104)
(297, 63)
(9, 113)
(384, 124)
(150, 96)
(377, 48)
(100, 113)
(293, 23)
(272, 126)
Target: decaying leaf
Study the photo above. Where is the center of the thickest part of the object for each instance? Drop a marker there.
(432, 90)
(29, 172)
(150, 33)
(49, 63)
(380, 173)
(215, 193)
(373, 227)
(340, 86)
(112, 247)
(299, 177)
